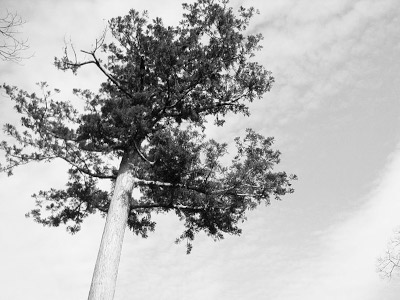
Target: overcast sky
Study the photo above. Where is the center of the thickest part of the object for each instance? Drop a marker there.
(335, 114)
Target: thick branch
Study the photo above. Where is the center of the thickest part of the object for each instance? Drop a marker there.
(168, 206)
(142, 155)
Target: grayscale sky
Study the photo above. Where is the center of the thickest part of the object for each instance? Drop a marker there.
(335, 114)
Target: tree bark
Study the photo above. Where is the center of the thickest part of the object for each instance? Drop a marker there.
(106, 269)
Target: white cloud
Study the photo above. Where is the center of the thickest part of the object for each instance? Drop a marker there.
(344, 265)
(316, 49)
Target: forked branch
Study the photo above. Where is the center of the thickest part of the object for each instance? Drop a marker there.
(10, 45)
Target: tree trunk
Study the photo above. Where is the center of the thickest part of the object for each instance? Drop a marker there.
(106, 269)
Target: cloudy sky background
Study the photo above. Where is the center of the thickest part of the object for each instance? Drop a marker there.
(334, 112)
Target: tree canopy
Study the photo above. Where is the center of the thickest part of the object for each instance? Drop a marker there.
(162, 84)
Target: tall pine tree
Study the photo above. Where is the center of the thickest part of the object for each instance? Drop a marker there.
(161, 84)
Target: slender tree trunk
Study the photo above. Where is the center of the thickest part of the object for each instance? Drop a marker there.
(106, 269)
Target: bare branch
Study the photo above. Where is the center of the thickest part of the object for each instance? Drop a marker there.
(66, 62)
(10, 45)
(389, 264)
